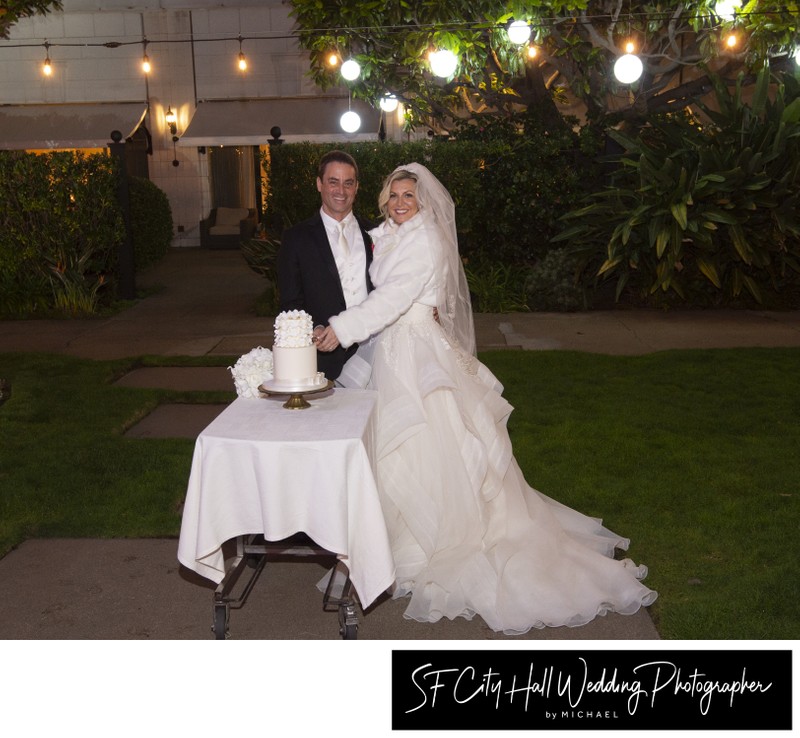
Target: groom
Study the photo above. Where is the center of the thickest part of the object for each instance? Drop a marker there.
(323, 262)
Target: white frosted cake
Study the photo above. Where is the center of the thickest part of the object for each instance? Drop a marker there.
(294, 355)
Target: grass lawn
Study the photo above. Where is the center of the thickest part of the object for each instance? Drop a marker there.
(65, 467)
(694, 455)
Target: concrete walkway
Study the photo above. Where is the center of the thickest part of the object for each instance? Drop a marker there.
(200, 304)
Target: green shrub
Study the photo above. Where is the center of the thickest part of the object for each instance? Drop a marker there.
(151, 222)
(24, 293)
(60, 228)
(293, 196)
(705, 213)
(530, 173)
(261, 255)
(509, 188)
(496, 287)
(510, 180)
(551, 284)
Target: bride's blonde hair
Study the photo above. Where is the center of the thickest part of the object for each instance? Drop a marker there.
(396, 176)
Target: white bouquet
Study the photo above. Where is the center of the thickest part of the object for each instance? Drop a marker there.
(251, 370)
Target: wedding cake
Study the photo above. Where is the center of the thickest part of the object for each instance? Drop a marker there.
(294, 355)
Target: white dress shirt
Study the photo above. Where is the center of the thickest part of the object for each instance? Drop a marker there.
(352, 265)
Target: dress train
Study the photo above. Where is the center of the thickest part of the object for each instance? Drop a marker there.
(469, 536)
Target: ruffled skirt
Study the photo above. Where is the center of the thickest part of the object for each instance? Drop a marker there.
(469, 536)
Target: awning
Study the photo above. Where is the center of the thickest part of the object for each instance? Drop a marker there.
(79, 126)
(248, 122)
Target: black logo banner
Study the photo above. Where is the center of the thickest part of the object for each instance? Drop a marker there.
(591, 690)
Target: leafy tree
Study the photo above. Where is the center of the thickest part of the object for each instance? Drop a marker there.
(577, 42)
(12, 11)
(706, 212)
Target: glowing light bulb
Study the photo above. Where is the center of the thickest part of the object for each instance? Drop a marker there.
(146, 66)
(333, 60)
(629, 47)
(532, 51)
(519, 32)
(350, 122)
(47, 67)
(726, 9)
(628, 68)
(351, 69)
(242, 62)
(388, 103)
(443, 63)
(731, 41)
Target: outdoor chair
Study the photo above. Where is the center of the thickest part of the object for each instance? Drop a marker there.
(226, 228)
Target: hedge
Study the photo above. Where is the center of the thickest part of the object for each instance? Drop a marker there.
(509, 193)
(61, 228)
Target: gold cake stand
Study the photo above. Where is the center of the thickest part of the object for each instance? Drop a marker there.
(296, 399)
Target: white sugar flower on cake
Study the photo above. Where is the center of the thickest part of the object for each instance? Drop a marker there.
(252, 370)
(293, 329)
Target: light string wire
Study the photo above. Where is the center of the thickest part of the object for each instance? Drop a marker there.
(430, 27)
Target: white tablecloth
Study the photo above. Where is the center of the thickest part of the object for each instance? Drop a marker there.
(261, 468)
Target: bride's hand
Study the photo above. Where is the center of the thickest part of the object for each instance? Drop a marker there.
(327, 341)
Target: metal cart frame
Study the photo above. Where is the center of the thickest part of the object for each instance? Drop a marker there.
(250, 551)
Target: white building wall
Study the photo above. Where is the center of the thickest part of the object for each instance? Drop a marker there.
(189, 65)
(171, 85)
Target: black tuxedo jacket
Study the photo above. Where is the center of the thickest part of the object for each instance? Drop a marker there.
(308, 280)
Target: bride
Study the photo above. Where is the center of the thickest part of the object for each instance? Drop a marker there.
(469, 536)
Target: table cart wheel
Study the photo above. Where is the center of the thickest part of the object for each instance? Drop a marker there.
(221, 619)
(348, 621)
(350, 633)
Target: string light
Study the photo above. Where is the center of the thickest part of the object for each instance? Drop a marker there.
(146, 66)
(443, 63)
(388, 103)
(519, 32)
(351, 69)
(47, 67)
(350, 121)
(453, 27)
(628, 67)
(726, 9)
(242, 59)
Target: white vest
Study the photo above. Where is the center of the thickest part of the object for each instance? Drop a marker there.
(352, 266)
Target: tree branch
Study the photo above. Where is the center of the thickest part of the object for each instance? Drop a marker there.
(594, 37)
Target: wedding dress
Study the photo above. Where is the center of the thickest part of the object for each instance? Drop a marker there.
(469, 536)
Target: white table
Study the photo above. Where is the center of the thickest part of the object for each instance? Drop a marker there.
(259, 468)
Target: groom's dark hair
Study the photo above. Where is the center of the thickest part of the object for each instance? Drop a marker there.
(339, 156)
